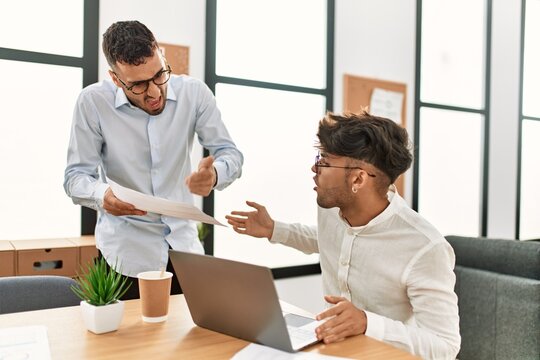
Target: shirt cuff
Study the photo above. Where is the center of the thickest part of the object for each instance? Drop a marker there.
(280, 232)
(221, 171)
(375, 325)
(99, 193)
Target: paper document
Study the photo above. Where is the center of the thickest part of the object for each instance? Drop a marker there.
(160, 206)
(386, 104)
(24, 342)
(261, 352)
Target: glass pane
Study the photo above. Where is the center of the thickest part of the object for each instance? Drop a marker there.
(34, 134)
(529, 227)
(32, 25)
(531, 66)
(279, 41)
(453, 42)
(276, 131)
(450, 181)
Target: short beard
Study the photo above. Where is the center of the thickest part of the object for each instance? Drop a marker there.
(333, 198)
(157, 112)
(163, 94)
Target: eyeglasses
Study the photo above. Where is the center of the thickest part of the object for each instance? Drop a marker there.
(140, 87)
(318, 164)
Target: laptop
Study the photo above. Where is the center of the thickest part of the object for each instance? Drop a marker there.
(240, 300)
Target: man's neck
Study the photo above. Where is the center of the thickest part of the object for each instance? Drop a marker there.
(362, 211)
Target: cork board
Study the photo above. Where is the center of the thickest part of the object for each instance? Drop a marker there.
(357, 93)
(177, 56)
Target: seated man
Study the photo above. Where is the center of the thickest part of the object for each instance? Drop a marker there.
(388, 272)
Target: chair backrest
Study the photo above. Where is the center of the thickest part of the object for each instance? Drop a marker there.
(499, 315)
(510, 257)
(498, 289)
(26, 293)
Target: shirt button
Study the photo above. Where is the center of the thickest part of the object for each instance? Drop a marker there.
(344, 262)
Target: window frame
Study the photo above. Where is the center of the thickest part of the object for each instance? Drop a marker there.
(212, 79)
(89, 65)
(521, 118)
(485, 112)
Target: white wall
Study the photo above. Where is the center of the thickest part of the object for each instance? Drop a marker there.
(376, 39)
(180, 22)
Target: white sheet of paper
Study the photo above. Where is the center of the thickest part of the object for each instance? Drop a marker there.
(160, 206)
(24, 342)
(261, 352)
(386, 104)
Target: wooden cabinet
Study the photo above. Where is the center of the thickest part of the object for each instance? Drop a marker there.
(7, 259)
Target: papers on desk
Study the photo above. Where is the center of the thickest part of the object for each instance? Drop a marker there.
(24, 342)
(261, 352)
(160, 206)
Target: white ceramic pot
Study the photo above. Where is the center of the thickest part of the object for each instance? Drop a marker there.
(102, 319)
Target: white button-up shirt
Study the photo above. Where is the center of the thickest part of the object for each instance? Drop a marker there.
(150, 154)
(398, 268)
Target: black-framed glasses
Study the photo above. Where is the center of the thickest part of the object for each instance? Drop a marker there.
(140, 87)
(319, 164)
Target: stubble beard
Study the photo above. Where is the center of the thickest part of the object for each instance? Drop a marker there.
(334, 197)
(162, 94)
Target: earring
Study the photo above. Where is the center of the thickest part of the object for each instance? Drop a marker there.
(354, 190)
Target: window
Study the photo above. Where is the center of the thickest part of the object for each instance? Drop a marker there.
(43, 71)
(528, 226)
(451, 158)
(278, 149)
(30, 30)
(452, 115)
(271, 70)
(277, 41)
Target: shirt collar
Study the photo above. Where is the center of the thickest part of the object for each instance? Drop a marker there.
(121, 98)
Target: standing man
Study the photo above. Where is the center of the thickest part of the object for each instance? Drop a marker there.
(386, 271)
(138, 129)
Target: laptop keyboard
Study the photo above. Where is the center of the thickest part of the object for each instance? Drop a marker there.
(296, 320)
(301, 330)
(300, 336)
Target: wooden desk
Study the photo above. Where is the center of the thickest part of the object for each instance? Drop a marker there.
(176, 338)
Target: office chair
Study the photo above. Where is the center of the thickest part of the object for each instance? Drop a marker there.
(26, 293)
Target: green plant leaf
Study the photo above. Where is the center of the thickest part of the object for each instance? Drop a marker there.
(99, 284)
(202, 231)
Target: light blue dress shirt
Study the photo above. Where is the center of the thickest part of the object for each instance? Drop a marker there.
(151, 154)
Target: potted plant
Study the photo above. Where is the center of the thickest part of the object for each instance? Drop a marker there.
(203, 230)
(100, 289)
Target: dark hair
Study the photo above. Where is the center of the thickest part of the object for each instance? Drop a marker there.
(128, 42)
(376, 140)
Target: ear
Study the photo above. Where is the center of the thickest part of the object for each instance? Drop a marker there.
(114, 79)
(358, 179)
